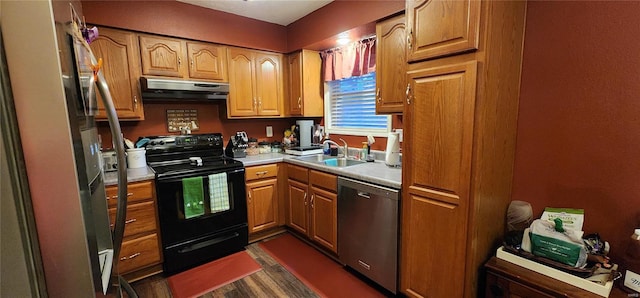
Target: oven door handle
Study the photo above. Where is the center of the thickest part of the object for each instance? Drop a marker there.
(208, 243)
(179, 178)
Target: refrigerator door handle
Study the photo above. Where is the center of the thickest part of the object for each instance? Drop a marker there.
(121, 205)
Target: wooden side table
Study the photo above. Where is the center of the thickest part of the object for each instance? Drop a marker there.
(505, 279)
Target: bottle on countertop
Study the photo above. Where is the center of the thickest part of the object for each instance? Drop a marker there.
(326, 148)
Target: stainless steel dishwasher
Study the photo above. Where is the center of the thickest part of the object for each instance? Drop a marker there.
(368, 230)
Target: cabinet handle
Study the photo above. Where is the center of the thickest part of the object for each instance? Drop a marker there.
(378, 95)
(409, 39)
(312, 197)
(261, 173)
(299, 102)
(409, 93)
(255, 103)
(128, 195)
(191, 62)
(179, 61)
(260, 102)
(130, 257)
(135, 102)
(305, 199)
(128, 221)
(249, 193)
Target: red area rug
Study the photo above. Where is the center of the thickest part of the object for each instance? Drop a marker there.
(208, 277)
(321, 274)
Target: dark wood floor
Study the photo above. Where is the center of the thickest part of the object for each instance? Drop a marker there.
(272, 281)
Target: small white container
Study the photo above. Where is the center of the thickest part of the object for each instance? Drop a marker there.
(136, 158)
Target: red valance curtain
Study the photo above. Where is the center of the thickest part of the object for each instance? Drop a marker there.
(356, 59)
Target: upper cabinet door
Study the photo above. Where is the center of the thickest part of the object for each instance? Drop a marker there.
(441, 27)
(121, 70)
(295, 84)
(391, 65)
(268, 82)
(241, 101)
(162, 56)
(207, 61)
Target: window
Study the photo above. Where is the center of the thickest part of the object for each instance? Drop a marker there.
(350, 107)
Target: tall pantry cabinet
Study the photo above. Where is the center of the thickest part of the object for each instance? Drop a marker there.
(460, 119)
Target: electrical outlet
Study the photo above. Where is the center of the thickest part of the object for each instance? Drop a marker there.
(399, 131)
(269, 131)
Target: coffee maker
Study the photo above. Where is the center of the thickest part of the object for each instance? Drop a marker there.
(305, 132)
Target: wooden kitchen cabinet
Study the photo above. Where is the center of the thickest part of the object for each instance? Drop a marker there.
(255, 84)
(121, 68)
(391, 65)
(177, 58)
(262, 197)
(312, 205)
(441, 27)
(140, 255)
(460, 116)
(306, 97)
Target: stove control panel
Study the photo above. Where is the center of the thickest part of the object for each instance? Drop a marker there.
(179, 142)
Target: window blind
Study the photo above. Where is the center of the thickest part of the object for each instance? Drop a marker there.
(353, 106)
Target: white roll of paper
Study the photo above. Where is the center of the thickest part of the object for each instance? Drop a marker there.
(392, 154)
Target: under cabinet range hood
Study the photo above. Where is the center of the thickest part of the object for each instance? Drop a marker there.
(159, 89)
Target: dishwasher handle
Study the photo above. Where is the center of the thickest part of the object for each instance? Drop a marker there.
(365, 195)
(367, 190)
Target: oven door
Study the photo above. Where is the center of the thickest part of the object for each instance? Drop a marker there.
(193, 206)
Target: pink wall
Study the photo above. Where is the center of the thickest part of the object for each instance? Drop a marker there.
(187, 21)
(312, 31)
(578, 142)
(211, 118)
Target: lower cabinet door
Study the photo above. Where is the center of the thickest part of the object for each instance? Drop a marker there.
(297, 194)
(138, 253)
(324, 218)
(262, 202)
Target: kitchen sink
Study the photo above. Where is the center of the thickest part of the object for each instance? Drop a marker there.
(331, 161)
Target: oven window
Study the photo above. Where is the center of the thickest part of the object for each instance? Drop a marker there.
(204, 196)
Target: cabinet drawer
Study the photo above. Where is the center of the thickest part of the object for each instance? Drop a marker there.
(323, 180)
(138, 253)
(140, 218)
(135, 192)
(259, 172)
(297, 173)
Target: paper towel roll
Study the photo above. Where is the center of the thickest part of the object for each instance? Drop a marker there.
(392, 154)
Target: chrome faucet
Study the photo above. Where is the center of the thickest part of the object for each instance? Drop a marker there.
(345, 149)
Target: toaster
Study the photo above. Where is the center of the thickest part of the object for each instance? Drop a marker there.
(109, 161)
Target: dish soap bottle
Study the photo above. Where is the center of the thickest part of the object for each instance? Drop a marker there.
(326, 148)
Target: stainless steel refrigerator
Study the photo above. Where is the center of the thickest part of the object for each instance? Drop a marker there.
(51, 138)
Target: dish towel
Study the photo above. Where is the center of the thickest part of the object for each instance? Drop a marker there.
(218, 192)
(193, 197)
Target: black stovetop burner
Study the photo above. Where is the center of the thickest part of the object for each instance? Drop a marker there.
(177, 155)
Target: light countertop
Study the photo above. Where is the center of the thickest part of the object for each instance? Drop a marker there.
(133, 175)
(373, 172)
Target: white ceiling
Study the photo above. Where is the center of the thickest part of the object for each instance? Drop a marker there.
(282, 12)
